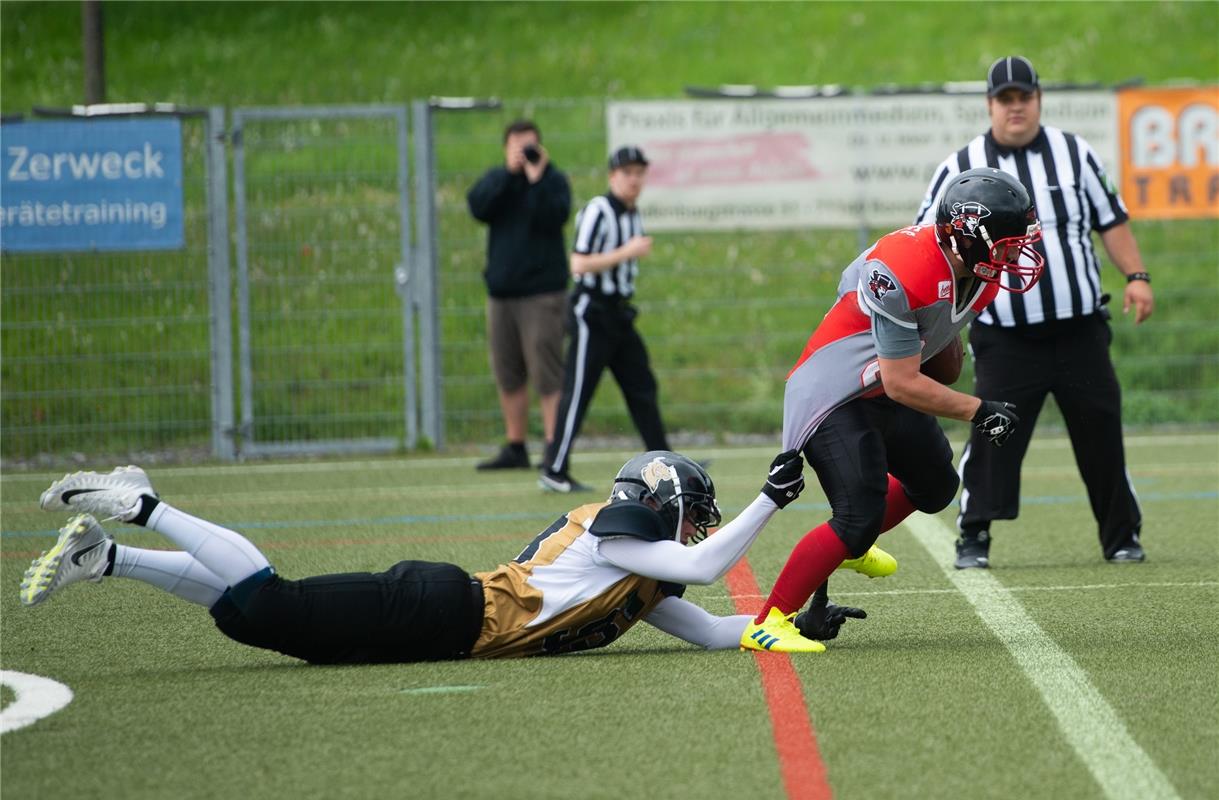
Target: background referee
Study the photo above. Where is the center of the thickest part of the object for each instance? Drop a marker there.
(1054, 339)
(604, 262)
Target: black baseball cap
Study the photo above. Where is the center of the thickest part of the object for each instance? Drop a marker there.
(627, 155)
(1011, 72)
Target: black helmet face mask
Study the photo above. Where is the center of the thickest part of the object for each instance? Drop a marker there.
(988, 220)
(677, 487)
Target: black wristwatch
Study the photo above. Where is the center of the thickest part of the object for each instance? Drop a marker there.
(1138, 276)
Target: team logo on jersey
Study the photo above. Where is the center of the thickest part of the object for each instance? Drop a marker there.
(656, 471)
(880, 285)
(967, 217)
(945, 290)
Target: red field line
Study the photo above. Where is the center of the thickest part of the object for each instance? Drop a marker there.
(804, 775)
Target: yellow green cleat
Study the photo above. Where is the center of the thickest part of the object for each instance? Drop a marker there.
(81, 553)
(875, 563)
(777, 634)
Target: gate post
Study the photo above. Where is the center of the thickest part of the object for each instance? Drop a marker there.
(430, 390)
(219, 287)
(402, 282)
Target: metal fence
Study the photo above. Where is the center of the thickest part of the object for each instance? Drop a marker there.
(116, 351)
(725, 315)
(322, 235)
(359, 318)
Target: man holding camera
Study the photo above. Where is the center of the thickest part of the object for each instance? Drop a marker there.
(525, 203)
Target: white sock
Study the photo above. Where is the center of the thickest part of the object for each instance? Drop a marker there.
(228, 554)
(172, 570)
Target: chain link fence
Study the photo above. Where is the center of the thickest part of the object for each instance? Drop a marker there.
(725, 315)
(321, 232)
(120, 352)
(115, 351)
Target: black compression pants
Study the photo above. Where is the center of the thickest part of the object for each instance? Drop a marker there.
(859, 445)
(414, 611)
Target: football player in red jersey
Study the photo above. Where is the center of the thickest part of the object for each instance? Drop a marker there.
(857, 404)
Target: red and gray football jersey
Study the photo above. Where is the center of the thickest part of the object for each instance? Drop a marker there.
(896, 299)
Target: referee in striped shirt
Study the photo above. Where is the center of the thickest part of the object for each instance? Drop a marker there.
(1054, 339)
(604, 263)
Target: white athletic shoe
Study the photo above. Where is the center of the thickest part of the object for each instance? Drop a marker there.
(81, 553)
(114, 495)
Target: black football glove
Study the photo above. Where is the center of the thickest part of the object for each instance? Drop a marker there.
(822, 619)
(785, 480)
(996, 420)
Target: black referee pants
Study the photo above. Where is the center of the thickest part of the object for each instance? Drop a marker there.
(1071, 361)
(603, 334)
(414, 611)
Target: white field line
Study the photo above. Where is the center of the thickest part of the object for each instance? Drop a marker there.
(37, 697)
(1099, 737)
(1073, 588)
(614, 457)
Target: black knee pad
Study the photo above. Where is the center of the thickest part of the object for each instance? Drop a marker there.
(859, 528)
(235, 625)
(935, 490)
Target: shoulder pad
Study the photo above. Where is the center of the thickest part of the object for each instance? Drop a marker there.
(630, 518)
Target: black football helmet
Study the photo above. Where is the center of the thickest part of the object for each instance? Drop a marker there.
(987, 218)
(677, 486)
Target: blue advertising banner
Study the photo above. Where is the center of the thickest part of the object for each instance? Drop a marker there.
(91, 185)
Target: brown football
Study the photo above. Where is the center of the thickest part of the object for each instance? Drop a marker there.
(945, 366)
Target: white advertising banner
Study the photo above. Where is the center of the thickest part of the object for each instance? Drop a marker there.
(821, 162)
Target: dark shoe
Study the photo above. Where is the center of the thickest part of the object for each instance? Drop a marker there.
(509, 458)
(1128, 554)
(560, 482)
(973, 552)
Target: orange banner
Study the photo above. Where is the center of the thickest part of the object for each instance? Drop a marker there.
(1170, 152)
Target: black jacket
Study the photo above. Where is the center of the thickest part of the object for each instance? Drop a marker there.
(525, 250)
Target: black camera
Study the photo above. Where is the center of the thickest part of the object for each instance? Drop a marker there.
(532, 154)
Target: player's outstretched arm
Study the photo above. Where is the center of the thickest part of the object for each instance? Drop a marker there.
(707, 561)
(694, 624)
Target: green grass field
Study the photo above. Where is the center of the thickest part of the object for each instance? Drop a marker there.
(925, 699)
(922, 699)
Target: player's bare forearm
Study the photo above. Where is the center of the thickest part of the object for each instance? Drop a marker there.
(1123, 249)
(905, 384)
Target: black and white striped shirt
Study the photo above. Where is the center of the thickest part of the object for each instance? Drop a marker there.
(601, 226)
(1073, 196)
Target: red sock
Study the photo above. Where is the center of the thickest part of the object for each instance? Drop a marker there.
(897, 505)
(812, 560)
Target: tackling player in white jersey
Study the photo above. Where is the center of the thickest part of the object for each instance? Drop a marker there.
(580, 584)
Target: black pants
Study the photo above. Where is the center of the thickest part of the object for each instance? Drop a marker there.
(414, 611)
(603, 335)
(1071, 361)
(859, 445)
